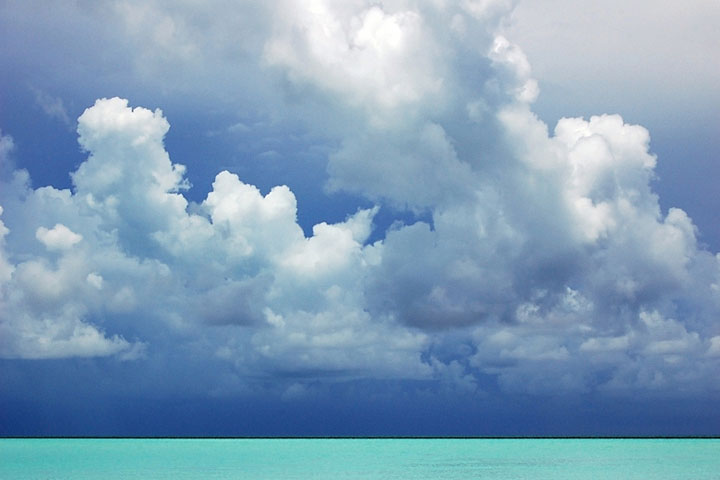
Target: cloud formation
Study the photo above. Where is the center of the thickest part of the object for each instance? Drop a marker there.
(132, 247)
(545, 262)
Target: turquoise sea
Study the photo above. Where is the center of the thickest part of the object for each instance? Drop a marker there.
(180, 459)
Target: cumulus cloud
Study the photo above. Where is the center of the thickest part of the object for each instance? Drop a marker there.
(372, 58)
(545, 261)
(131, 247)
(558, 228)
(58, 238)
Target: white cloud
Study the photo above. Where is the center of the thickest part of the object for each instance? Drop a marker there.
(545, 262)
(604, 344)
(511, 56)
(6, 269)
(95, 280)
(242, 259)
(254, 225)
(57, 238)
(372, 58)
(330, 248)
(714, 348)
(57, 336)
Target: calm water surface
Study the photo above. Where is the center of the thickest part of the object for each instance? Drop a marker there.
(181, 459)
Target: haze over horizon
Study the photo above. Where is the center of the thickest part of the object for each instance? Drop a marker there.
(359, 218)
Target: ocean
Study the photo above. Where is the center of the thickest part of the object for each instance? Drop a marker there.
(186, 459)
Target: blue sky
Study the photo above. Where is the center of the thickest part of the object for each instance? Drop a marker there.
(359, 218)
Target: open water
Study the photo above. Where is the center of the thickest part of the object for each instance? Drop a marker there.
(181, 459)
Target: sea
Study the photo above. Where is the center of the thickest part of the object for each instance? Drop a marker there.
(358, 458)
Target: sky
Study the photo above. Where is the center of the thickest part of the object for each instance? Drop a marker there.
(482, 217)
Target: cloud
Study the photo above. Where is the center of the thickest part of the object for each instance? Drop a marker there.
(372, 58)
(563, 226)
(544, 261)
(52, 106)
(58, 238)
(132, 248)
(6, 269)
(62, 335)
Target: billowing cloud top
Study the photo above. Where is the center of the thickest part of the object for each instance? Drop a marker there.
(544, 261)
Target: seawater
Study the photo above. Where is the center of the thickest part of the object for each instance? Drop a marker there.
(181, 459)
